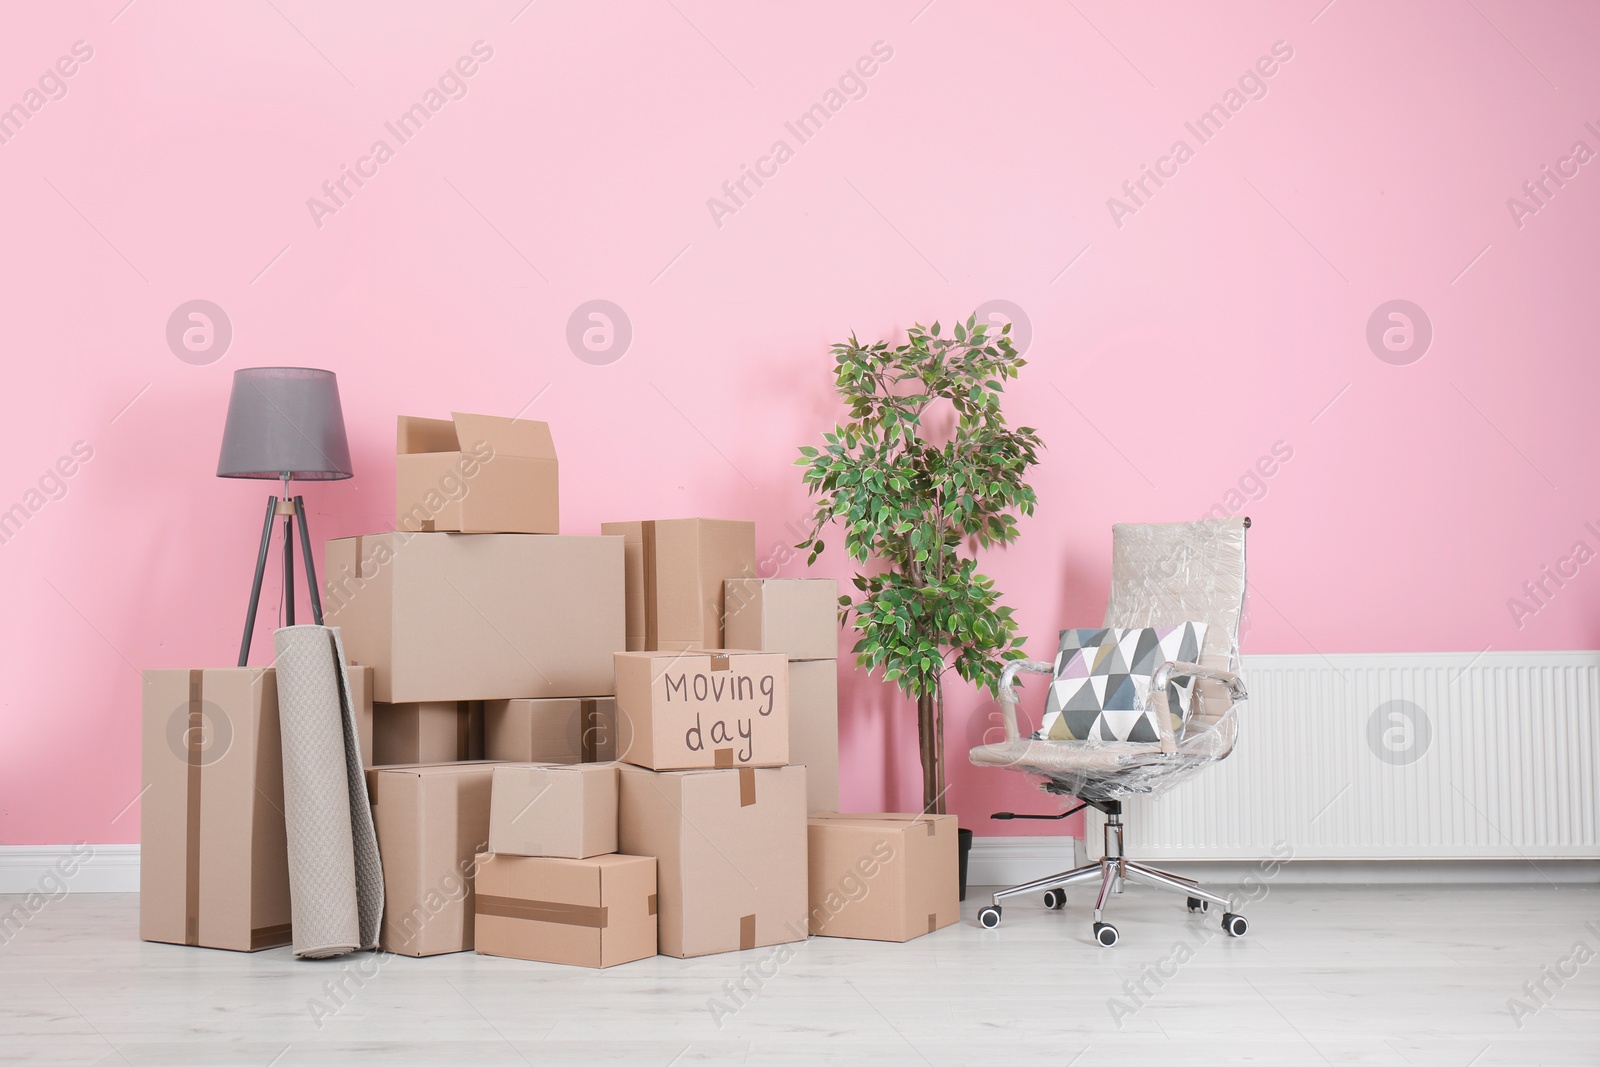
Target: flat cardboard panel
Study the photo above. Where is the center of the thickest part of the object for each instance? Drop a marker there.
(797, 617)
(730, 847)
(485, 474)
(478, 617)
(715, 708)
(552, 810)
(432, 821)
(675, 571)
(814, 729)
(596, 912)
(427, 731)
(552, 730)
(882, 877)
(214, 867)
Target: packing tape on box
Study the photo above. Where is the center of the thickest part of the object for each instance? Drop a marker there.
(463, 730)
(652, 631)
(546, 911)
(747, 932)
(652, 903)
(933, 921)
(588, 731)
(747, 787)
(722, 758)
(191, 870)
(721, 663)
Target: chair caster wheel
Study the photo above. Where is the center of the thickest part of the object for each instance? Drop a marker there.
(1055, 899)
(1234, 925)
(989, 917)
(1196, 904)
(1105, 933)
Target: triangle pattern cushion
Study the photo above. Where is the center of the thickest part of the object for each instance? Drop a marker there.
(1101, 688)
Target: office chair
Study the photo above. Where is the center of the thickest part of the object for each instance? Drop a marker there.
(1161, 575)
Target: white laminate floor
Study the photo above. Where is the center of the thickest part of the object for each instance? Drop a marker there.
(1334, 974)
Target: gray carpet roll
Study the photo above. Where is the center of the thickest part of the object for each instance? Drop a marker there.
(335, 878)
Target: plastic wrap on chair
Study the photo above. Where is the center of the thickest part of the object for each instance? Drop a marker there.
(1162, 575)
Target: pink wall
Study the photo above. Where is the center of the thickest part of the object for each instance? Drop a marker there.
(1171, 347)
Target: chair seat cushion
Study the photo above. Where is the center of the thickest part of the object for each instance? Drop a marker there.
(1101, 688)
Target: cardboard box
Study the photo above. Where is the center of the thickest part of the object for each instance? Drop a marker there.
(730, 849)
(814, 729)
(718, 708)
(676, 568)
(568, 812)
(586, 913)
(882, 877)
(432, 820)
(798, 617)
(475, 474)
(444, 616)
(551, 730)
(427, 731)
(214, 861)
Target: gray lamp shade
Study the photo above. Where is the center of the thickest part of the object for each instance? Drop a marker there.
(284, 421)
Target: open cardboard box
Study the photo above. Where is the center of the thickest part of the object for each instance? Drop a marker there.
(476, 474)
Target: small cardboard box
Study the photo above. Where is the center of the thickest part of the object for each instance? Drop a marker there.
(798, 617)
(432, 820)
(475, 474)
(717, 708)
(883, 877)
(730, 848)
(676, 568)
(213, 857)
(551, 730)
(814, 729)
(562, 811)
(427, 731)
(444, 616)
(586, 913)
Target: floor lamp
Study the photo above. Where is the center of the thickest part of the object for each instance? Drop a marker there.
(284, 423)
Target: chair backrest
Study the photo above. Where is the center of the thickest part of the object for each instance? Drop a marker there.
(1167, 573)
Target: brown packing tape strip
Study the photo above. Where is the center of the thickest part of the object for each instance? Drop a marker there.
(191, 860)
(270, 936)
(463, 729)
(651, 902)
(427, 526)
(722, 758)
(747, 787)
(721, 663)
(544, 911)
(933, 921)
(588, 730)
(652, 630)
(747, 932)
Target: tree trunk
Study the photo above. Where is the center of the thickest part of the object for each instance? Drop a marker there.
(930, 739)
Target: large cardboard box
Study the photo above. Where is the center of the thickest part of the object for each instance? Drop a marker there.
(551, 730)
(427, 731)
(564, 811)
(798, 617)
(476, 474)
(814, 729)
(717, 708)
(587, 913)
(432, 821)
(887, 877)
(676, 568)
(213, 858)
(445, 616)
(730, 848)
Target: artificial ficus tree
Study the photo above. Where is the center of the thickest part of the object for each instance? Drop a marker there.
(922, 474)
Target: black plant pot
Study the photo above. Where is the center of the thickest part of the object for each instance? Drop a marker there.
(963, 846)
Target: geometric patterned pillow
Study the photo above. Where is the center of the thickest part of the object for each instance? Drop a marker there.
(1101, 688)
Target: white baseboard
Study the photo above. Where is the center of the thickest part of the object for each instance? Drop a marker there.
(1006, 861)
(82, 868)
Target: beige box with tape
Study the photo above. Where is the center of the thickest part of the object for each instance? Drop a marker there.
(716, 708)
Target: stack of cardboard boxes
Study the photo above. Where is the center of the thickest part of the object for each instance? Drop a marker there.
(580, 749)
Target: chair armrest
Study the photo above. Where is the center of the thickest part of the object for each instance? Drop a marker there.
(1008, 693)
(1235, 684)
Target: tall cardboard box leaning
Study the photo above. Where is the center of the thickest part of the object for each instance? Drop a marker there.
(798, 618)
(675, 569)
(476, 474)
(432, 821)
(214, 860)
(491, 616)
(715, 708)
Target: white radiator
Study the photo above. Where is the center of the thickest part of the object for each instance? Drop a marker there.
(1394, 756)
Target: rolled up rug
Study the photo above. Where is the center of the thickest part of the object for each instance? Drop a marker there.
(335, 876)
